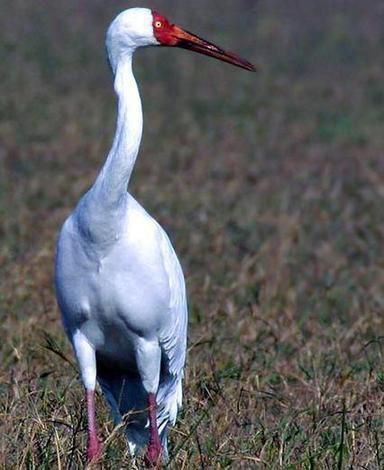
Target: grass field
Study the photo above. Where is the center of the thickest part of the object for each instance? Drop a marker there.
(271, 187)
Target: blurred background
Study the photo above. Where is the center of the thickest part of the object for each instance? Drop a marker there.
(271, 188)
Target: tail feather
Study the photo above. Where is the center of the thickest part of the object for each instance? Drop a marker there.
(127, 398)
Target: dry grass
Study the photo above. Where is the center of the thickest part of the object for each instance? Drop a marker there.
(271, 187)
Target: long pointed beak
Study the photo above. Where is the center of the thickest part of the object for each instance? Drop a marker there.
(187, 40)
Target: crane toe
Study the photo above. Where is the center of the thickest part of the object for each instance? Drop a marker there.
(152, 456)
(94, 449)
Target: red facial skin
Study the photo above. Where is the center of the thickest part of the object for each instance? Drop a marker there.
(164, 31)
(172, 35)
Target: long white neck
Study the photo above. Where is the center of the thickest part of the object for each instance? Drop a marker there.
(111, 184)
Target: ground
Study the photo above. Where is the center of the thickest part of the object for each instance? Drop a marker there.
(271, 188)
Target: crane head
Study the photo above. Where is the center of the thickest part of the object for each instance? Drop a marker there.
(137, 27)
(168, 34)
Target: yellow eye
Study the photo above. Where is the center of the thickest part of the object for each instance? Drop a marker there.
(158, 24)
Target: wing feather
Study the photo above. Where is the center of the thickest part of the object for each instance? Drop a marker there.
(174, 339)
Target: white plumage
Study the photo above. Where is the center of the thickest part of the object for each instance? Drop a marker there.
(119, 283)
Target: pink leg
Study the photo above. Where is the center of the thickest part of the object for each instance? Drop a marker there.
(153, 454)
(94, 445)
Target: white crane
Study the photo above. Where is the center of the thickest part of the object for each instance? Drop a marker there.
(119, 283)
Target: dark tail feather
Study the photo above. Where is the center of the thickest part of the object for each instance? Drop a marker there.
(127, 398)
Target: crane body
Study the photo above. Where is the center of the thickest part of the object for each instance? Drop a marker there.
(119, 284)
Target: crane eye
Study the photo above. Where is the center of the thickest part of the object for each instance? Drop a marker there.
(158, 24)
